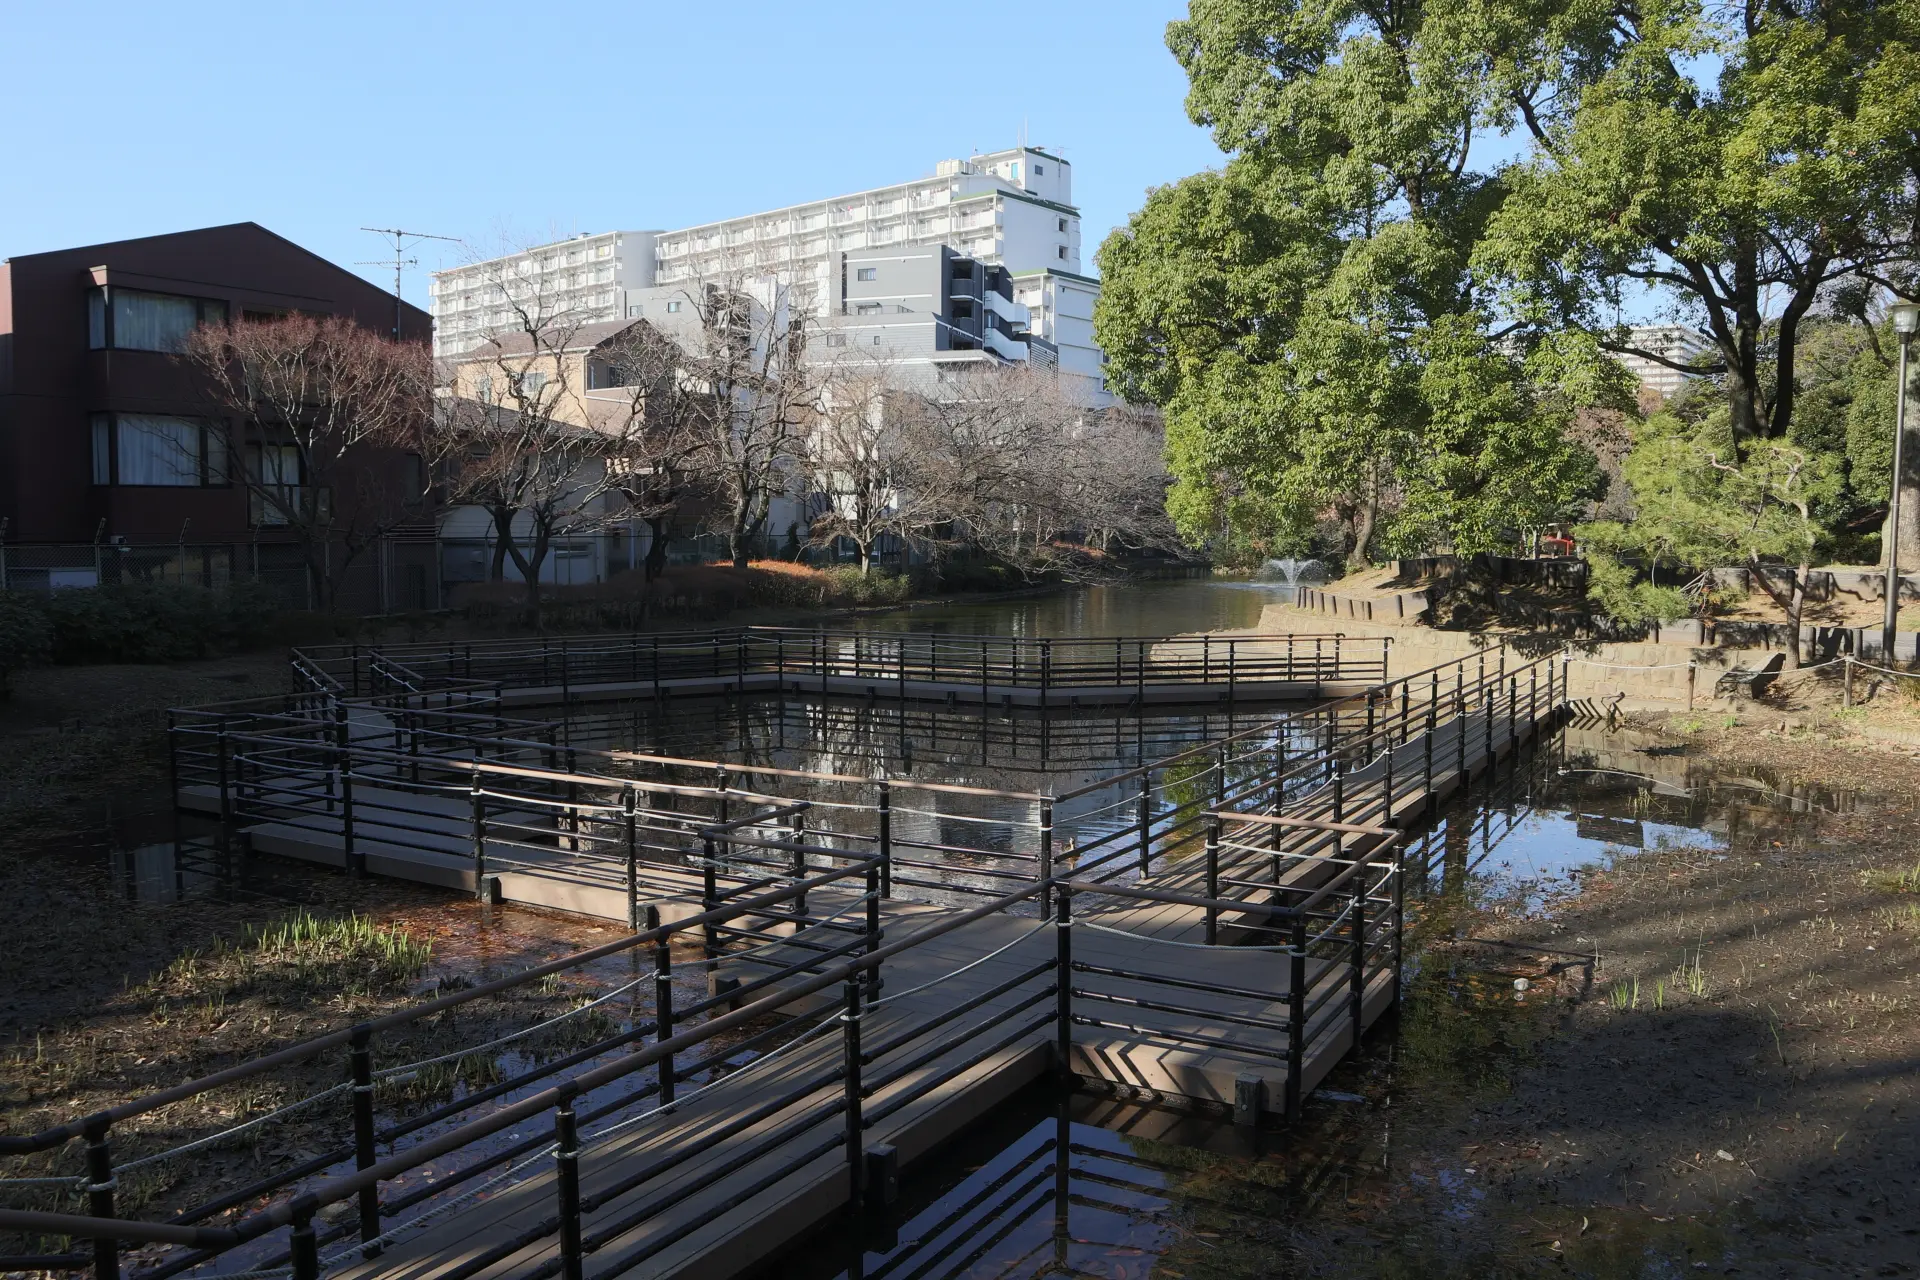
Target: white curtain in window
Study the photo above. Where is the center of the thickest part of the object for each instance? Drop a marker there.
(163, 451)
(152, 321)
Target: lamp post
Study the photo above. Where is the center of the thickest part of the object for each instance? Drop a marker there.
(1906, 320)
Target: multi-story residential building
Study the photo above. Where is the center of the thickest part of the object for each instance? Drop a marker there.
(1658, 382)
(928, 305)
(583, 280)
(1006, 209)
(114, 461)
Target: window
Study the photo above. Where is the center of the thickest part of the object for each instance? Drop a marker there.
(867, 309)
(1062, 251)
(1063, 224)
(483, 389)
(836, 339)
(1038, 168)
(604, 251)
(133, 320)
(276, 469)
(102, 449)
(866, 273)
(636, 310)
(153, 450)
(532, 383)
(876, 339)
(673, 306)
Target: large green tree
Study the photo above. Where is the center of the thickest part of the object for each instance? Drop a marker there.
(1308, 316)
(1745, 166)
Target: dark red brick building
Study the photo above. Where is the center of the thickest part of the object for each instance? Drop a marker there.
(104, 437)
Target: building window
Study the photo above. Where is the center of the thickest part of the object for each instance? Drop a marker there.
(876, 339)
(867, 309)
(276, 470)
(1038, 168)
(1063, 224)
(673, 306)
(134, 320)
(635, 311)
(836, 339)
(532, 383)
(866, 273)
(148, 449)
(1062, 251)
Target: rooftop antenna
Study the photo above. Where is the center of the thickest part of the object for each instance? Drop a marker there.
(401, 243)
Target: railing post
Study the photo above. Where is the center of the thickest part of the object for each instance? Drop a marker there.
(1045, 871)
(1339, 787)
(709, 899)
(1296, 1014)
(874, 934)
(662, 998)
(1846, 685)
(1513, 708)
(797, 833)
(1693, 668)
(886, 838)
(856, 1127)
(1146, 820)
(1460, 724)
(1063, 984)
(100, 1185)
(1433, 727)
(566, 1160)
(354, 862)
(303, 1247)
(630, 818)
(360, 1062)
(1213, 878)
(1046, 671)
(1357, 991)
(479, 838)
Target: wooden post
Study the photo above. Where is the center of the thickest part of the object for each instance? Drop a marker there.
(1692, 672)
(1846, 679)
(354, 861)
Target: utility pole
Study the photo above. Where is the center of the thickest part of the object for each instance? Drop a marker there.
(402, 241)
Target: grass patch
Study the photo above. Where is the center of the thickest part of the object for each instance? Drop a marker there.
(1894, 881)
(291, 960)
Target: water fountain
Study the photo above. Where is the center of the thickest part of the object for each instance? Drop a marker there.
(1291, 573)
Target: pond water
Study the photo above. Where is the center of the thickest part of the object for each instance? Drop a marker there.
(1156, 607)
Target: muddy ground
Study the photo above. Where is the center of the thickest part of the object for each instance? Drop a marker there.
(1734, 1089)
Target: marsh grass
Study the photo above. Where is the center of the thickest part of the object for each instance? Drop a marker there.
(1894, 881)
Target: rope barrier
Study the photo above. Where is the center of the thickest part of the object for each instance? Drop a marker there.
(1171, 942)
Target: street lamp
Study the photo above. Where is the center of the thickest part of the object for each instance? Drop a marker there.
(1906, 320)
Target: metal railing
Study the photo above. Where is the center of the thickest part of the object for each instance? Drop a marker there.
(1279, 841)
(895, 662)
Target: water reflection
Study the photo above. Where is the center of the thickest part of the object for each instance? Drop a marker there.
(1166, 607)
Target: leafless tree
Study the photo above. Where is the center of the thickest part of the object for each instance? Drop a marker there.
(867, 456)
(749, 390)
(533, 449)
(1039, 479)
(657, 467)
(328, 430)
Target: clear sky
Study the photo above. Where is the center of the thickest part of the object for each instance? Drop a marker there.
(492, 122)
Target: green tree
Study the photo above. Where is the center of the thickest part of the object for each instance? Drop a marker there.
(1740, 162)
(1701, 499)
(1307, 317)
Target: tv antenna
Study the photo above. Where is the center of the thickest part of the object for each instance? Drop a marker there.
(402, 241)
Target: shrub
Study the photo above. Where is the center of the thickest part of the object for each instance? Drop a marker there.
(26, 639)
(690, 592)
(155, 622)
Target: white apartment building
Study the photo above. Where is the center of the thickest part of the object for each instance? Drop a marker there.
(1009, 208)
(582, 280)
(1675, 342)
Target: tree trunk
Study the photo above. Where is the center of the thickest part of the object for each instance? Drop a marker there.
(1796, 606)
(502, 539)
(656, 548)
(866, 556)
(1363, 531)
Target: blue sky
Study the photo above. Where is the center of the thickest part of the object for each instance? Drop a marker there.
(483, 121)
